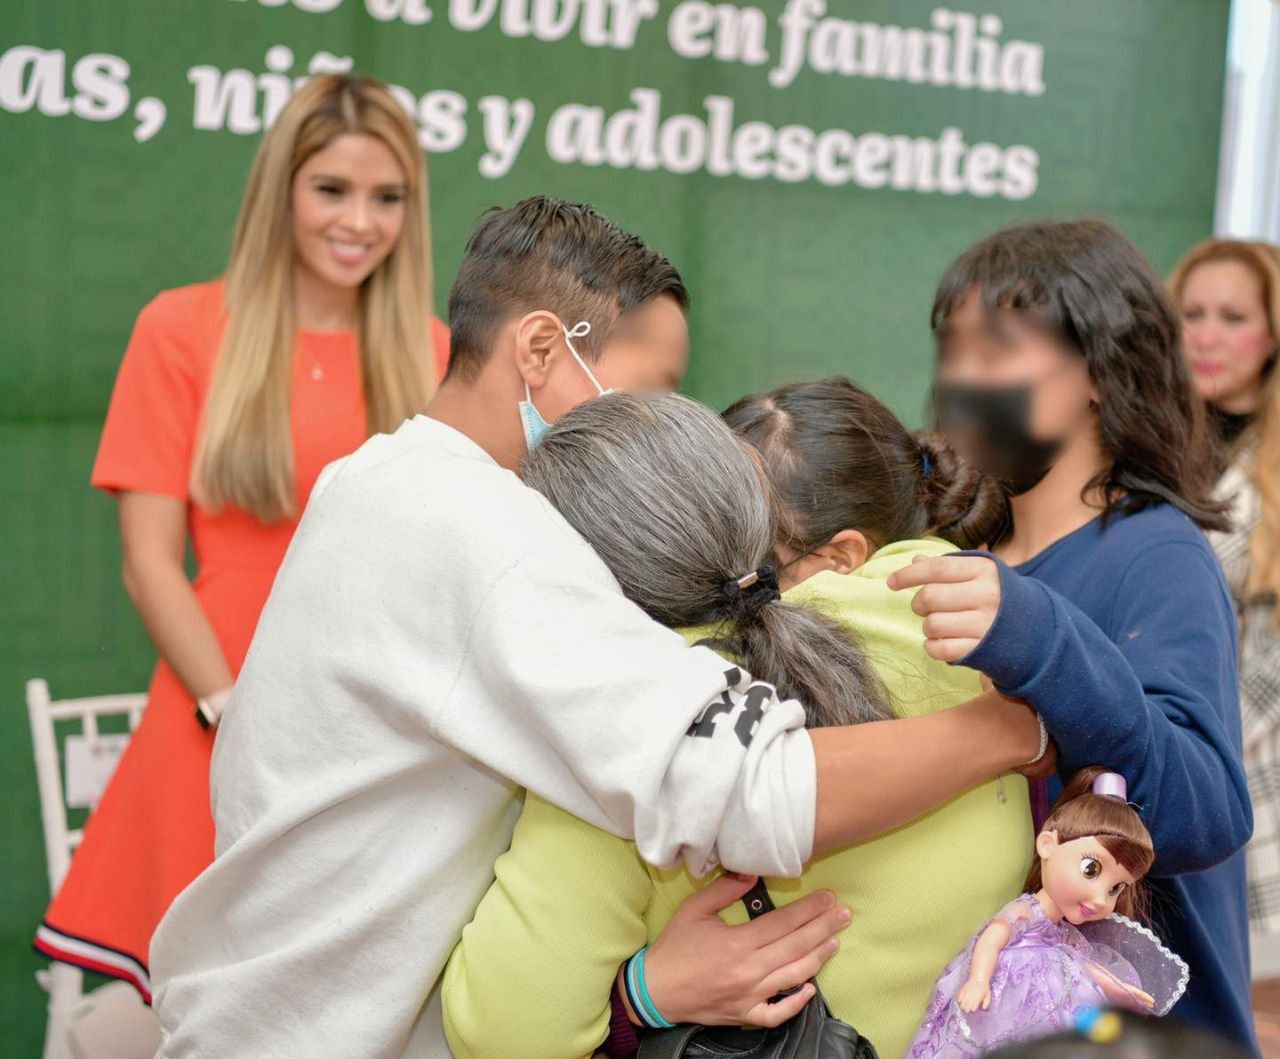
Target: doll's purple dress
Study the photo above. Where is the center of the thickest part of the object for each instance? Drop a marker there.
(1043, 979)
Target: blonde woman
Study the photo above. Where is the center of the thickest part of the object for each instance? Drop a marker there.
(1229, 295)
(1228, 292)
(232, 396)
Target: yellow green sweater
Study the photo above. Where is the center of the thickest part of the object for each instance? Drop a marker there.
(532, 974)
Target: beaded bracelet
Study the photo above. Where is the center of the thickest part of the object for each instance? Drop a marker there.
(1044, 742)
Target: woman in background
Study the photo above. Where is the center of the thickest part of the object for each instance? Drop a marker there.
(1228, 292)
(232, 396)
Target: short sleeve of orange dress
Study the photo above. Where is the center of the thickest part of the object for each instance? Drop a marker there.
(149, 435)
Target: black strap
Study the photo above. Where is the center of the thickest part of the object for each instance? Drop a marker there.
(759, 903)
(757, 900)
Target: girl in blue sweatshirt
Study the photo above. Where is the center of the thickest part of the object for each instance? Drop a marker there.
(1101, 603)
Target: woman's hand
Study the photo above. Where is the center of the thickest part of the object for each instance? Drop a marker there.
(211, 707)
(702, 970)
(153, 536)
(974, 994)
(959, 598)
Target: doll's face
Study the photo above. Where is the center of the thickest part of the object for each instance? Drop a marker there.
(1081, 877)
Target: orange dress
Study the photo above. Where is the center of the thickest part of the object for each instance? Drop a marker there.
(152, 832)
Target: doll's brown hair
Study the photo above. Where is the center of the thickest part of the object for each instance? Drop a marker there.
(1079, 813)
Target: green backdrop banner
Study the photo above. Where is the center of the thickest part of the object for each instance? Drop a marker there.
(810, 167)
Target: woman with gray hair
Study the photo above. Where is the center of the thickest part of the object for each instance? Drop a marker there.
(680, 510)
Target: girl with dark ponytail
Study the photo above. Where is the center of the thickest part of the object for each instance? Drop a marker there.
(848, 478)
(685, 516)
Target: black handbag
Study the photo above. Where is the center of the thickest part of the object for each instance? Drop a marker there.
(812, 1034)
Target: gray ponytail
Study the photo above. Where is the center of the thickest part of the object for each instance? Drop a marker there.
(676, 507)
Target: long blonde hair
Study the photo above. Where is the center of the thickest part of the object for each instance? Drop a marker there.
(1263, 260)
(245, 453)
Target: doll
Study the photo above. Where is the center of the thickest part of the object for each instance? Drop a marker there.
(1065, 945)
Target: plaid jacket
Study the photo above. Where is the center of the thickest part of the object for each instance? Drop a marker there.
(1259, 698)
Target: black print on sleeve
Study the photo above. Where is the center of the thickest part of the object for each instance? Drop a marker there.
(751, 703)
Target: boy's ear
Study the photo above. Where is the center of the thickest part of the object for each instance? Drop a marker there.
(537, 339)
(844, 552)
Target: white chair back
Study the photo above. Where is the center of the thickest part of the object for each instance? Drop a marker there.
(60, 840)
(71, 1013)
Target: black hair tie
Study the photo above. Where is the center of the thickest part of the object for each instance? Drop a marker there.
(748, 595)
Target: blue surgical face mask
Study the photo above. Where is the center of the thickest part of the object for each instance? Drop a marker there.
(530, 418)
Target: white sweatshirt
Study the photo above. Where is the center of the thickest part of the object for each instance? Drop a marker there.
(438, 637)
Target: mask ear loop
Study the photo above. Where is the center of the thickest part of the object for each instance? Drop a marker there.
(580, 330)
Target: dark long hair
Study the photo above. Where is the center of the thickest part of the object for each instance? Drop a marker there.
(1087, 285)
(837, 458)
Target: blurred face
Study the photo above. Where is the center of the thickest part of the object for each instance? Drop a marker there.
(349, 204)
(1226, 334)
(1081, 878)
(1001, 349)
(647, 350)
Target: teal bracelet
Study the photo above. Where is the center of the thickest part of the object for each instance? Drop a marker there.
(633, 992)
(638, 993)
